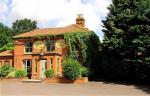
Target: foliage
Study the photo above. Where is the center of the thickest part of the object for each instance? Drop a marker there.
(84, 71)
(11, 74)
(126, 45)
(5, 70)
(8, 46)
(71, 69)
(5, 35)
(85, 47)
(18, 27)
(20, 73)
(49, 73)
(23, 25)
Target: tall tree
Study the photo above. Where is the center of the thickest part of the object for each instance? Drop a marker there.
(5, 35)
(127, 40)
(23, 25)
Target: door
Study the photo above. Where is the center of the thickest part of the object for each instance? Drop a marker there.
(43, 68)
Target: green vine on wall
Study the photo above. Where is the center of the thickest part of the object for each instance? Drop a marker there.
(83, 46)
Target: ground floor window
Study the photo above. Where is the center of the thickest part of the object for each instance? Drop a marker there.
(27, 65)
(35, 67)
(51, 63)
(58, 66)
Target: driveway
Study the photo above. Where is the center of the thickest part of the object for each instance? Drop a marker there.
(88, 89)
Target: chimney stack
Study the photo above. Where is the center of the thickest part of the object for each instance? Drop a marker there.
(80, 20)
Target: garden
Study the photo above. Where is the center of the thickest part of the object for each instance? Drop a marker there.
(73, 72)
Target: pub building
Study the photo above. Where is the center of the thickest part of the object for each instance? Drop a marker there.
(37, 54)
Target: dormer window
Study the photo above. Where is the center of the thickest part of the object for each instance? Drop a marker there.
(28, 47)
(50, 45)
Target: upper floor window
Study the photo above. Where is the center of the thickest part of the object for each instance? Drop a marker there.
(50, 45)
(28, 47)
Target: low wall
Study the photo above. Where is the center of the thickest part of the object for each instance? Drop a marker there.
(64, 80)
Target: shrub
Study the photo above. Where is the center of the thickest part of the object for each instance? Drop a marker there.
(71, 69)
(84, 71)
(20, 73)
(11, 74)
(49, 73)
(5, 70)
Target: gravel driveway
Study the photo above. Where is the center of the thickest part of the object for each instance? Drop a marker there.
(88, 89)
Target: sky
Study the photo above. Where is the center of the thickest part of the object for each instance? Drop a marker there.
(55, 13)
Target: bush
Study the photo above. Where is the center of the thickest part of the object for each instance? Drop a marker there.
(11, 74)
(84, 71)
(49, 73)
(71, 69)
(20, 73)
(5, 70)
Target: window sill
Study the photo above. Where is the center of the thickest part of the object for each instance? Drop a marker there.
(28, 53)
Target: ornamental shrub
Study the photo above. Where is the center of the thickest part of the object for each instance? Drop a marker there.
(71, 69)
(84, 71)
(20, 73)
(11, 74)
(5, 70)
(49, 73)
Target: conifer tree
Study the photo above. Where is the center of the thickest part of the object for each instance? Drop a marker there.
(127, 40)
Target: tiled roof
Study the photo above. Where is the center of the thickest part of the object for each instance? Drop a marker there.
(7, 53)
(47, 31)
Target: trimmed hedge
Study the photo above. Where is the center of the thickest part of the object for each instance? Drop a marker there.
(71, 69)
(49, 73)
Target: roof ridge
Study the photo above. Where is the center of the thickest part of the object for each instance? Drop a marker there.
(55, 30)
(86, 29)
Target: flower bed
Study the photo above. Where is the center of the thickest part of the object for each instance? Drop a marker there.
(64, 80)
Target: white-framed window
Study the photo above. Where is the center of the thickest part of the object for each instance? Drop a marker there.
(50, 44)
(28, 47)
(51, 63)
(27, 65)
(36, 65)
(58, 66)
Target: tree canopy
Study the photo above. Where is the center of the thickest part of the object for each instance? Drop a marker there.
(23, 25)
(18, 27)
(5, 35)
(126, 46)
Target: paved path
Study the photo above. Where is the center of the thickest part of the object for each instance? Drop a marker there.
(88, 89)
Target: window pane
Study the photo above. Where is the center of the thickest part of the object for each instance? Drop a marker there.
(50, 45)
(28, 47)
(51, 62)
(27, 65)
(35, 68)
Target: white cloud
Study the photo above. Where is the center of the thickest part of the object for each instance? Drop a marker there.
(3, 10)
(62, 11)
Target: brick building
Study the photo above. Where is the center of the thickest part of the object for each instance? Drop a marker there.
(37, 54)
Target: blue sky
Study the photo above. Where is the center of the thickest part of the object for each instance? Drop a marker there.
(55, 13)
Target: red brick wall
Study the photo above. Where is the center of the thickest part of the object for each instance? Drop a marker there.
(6, 58)
(19, 56)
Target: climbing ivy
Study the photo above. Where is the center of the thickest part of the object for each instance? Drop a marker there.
(83, 46)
